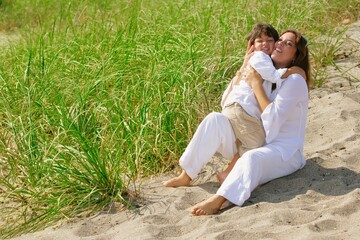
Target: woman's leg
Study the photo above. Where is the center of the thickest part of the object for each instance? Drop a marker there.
(255, 167)
(214, 134)
(222, 175)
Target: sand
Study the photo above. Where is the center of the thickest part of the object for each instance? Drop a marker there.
(320, 201)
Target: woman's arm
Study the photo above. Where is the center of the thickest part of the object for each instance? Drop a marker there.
(255, 81)
(292, 70)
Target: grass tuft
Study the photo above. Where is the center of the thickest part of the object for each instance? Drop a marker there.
(99, 94)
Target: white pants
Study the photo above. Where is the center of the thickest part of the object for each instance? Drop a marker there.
(214, 134)
(255, 167)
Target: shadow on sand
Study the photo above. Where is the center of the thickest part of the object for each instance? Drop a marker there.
(326, 181)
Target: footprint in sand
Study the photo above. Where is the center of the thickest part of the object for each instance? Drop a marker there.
(324, 225)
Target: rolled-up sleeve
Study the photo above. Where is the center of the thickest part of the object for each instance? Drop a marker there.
(263, 64)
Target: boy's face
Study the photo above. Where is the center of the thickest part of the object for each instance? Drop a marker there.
(264, 43)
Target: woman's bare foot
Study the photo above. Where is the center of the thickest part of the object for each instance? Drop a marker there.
(221, 176)
(182, 180)
(226, 204)
(209, 206)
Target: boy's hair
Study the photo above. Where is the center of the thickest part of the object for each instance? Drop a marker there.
(261, 28)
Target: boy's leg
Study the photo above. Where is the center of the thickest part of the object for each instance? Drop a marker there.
(248, 131)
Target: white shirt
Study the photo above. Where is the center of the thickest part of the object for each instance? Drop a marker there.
(284, 119)
(243, 94)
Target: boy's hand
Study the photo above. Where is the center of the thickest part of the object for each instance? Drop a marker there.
(292, 70)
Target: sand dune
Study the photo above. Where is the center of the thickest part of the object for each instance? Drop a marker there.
(321, 201)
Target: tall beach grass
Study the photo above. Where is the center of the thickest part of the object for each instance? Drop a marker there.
(96, 95)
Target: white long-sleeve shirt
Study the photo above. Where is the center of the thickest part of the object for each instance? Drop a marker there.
(284, 119)
(243, 94)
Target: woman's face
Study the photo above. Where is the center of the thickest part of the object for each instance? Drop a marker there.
(285, 50)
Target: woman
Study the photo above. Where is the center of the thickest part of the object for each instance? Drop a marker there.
(284, 121)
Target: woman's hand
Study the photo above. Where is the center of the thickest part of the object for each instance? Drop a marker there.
(249, 52)
(253, 78)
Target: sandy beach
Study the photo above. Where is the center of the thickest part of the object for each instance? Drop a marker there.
(320, 201)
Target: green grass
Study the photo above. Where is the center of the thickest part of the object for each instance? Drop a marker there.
(99, 94)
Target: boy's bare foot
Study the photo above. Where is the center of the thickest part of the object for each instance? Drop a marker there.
(209, 206)
(182, 180)
(221, 176)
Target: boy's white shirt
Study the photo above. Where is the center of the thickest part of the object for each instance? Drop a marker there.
(243, 94)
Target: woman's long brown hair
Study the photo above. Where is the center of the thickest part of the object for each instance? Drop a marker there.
(302, 55)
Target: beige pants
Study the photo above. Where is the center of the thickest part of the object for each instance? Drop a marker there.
(248, 130)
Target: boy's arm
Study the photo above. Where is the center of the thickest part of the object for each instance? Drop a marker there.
(292, 70)
(263, 64)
